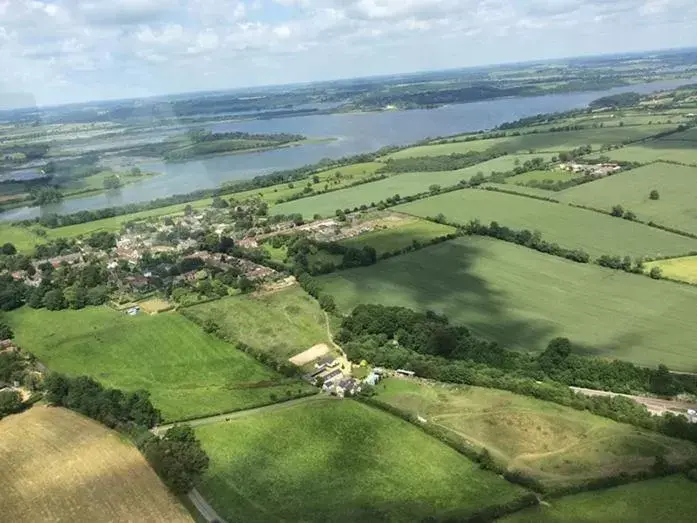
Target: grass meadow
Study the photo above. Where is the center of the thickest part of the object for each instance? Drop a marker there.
(557, 445)
(339, 461)
(95, 474)
(670, 499)
(188, 372)
(523, 299)
(682, 269)
(403, 235)
(568, 226)
(23, 238)
(676, 184)
(283, 323)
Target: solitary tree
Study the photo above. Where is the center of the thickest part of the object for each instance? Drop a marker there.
(655, 273)
(6, 332)
(8, 249)
(654, 195)
(617, 210)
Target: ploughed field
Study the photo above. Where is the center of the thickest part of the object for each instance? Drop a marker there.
(558, 446)
(522, 299)
(339, 461)
(189, 373)
(56, 465)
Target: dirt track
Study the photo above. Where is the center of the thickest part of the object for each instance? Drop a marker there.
(654, 405)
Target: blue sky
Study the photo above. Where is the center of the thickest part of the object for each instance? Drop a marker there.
(55, 51)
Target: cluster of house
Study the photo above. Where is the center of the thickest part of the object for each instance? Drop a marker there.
(329, 374)
(598, 169)
(35, 279)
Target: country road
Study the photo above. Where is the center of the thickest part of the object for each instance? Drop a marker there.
(654, 405)
(204, 508)
(218, 418)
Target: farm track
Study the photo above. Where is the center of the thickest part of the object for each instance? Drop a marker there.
(208, 512)
(208, 420)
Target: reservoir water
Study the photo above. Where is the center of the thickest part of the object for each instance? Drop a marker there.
(353, 133)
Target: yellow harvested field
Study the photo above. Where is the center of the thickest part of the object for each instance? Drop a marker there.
(682, 269)
(311, 354)
(56, 465)
(155, 305)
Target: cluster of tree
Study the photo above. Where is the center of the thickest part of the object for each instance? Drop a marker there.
(102, 240)
(449, 162)
(307, 255)
(398, 337)
(311, 286)
(10, 402)
(203, 135)
(28, 151)
(112, 407)
(616, 100)
(621, 263)
(46, 195)
(72, 287)
(532, 240)
(177, 457)
(12, 293)
(568, 156)
(112, 182)
(619, 212)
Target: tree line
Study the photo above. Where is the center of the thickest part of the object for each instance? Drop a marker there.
(177, 457)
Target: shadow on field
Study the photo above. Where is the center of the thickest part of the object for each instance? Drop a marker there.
(326, 468)
(441, 278)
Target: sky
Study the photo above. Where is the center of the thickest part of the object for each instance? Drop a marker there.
(60, 51)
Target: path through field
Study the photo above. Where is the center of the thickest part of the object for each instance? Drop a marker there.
(159, 430)
(204, 508)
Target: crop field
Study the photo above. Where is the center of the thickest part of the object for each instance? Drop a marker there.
(676, 184)
(402, 184)
(22, 238)
(403, 235)
(282, 323)
(155, 305)
(339, 461)
(188, 372)
(329, 179)
(557, 445)
(682, 269)
(543, 142)
(56, 465)
(568, 226)
(555, 175)
(664, 499)
(655, 151)
(523, 299)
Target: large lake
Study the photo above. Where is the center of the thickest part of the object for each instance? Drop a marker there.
(353, 133)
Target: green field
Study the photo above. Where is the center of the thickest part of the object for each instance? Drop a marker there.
(559, 446)
(339, 461)
(676, 184)
(403, 235)
(543, 142)
(670, 499)
(654, 151)
(555, 175)
(682, 269)
(402, 184)
(188, 372)
(282, 323)
(567, 226)
(523, 299)
(22, 238)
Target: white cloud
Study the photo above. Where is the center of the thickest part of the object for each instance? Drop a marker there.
(65, 49)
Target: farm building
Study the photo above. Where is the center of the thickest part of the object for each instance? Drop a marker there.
(408, 373)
